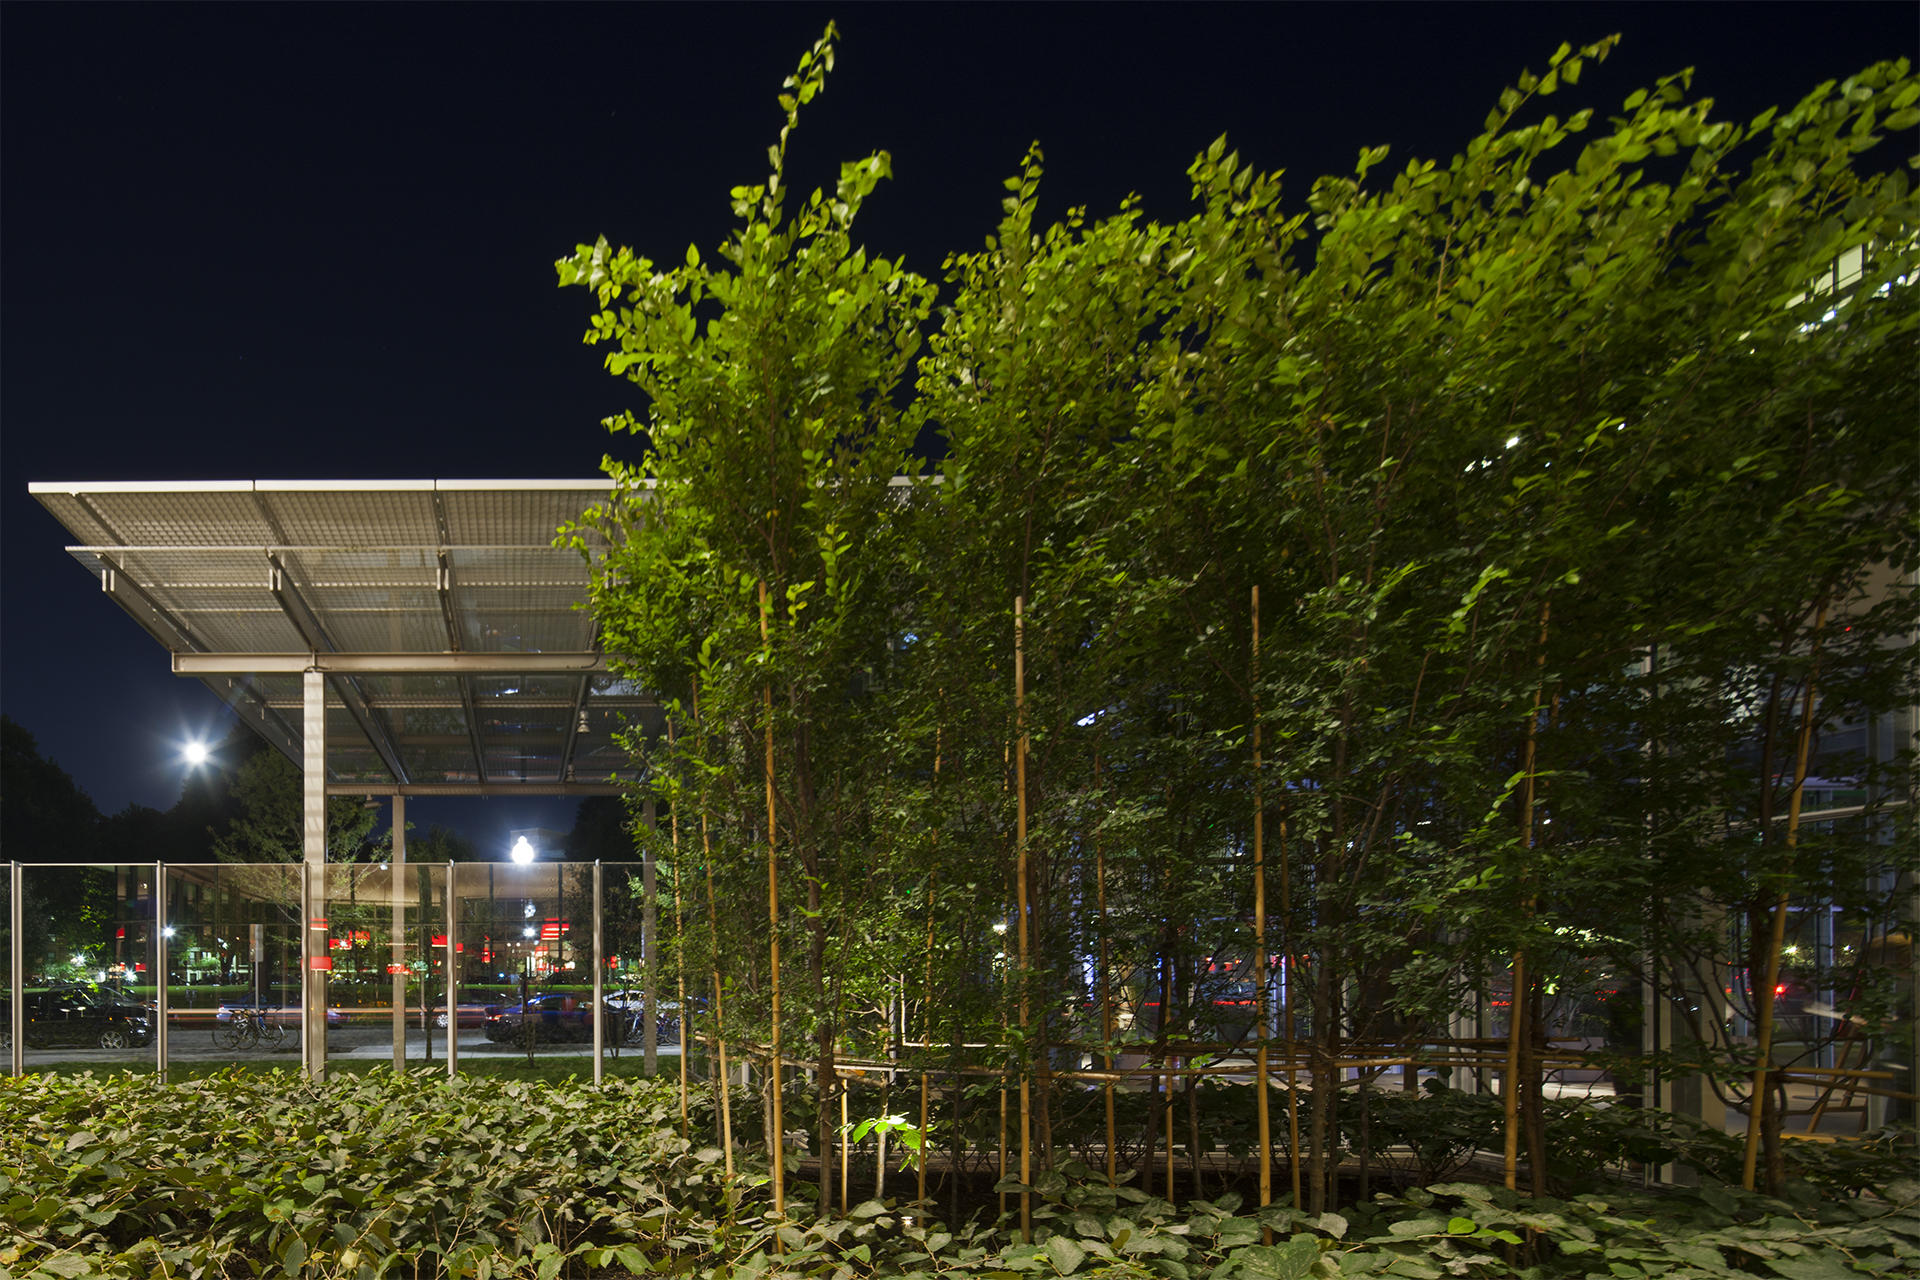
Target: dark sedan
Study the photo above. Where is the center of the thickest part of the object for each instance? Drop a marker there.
(74, 1017)
(549, 1019)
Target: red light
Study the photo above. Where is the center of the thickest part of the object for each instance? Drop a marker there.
(1780, 990)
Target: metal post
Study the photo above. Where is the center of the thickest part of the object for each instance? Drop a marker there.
(16, 974)
(453, 979)
(315, 955)
(160, 961)
(397, 963)
(599, 984)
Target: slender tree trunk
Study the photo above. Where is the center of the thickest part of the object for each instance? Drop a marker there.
(1763, 1118)
(1520, 1075)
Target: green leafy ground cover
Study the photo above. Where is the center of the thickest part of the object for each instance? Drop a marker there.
(260, 1174)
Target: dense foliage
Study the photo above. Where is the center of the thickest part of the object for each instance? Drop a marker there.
(1574, 476)
(412, 1175)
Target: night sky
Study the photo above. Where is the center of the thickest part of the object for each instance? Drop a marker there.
(277, 241)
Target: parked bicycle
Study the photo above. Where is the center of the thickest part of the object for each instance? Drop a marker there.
(249, 1029)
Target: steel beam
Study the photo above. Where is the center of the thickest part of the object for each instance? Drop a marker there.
(575, 717)
(452, 625)
(287, 592)
(478, 788)
(389, 664)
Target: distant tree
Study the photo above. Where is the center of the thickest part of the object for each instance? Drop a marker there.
(440, 844)
(44, 815)
(602, 831)
(267, 789)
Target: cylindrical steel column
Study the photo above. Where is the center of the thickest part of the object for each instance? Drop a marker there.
(397, 961)
(16, 974)
(453, 982)
(315, 955)
(160, 962)
(599, 981)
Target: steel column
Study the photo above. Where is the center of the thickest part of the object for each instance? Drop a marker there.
(16, 975)
(599, 981)
(397, 964)
(453, 982)
(161, 963)
(314, 950)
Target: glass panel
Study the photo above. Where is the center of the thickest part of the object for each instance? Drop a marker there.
(385, 948)
(232, 935)
(6, 971)
(88, 944)
(525, 962)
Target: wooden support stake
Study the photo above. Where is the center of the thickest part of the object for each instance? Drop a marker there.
(926, 1035)
(1259, 958)
(1106, 992)
(1020, 892)
(777, 1139)
(713, 938)
(680, 969)
(1286, 1015)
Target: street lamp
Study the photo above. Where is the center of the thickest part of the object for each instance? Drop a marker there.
(522, 851)
(195, 753)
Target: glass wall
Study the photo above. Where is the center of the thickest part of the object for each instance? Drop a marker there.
(87, 983)
(199, 966)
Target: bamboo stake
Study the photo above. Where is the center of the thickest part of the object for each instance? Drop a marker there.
(926, 1080)
(1260, 936)
(776, 1140)
(1286, 1015)
(719, 1041)
(1510, 1085)
(713, 938)
(1763, 1028)
(1020, 892)
(680, 969)
(1106, 991)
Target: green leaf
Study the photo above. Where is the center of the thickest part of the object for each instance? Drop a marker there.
(1066, 1254)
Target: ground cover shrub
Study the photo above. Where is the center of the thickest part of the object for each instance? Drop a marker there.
(262, 1174)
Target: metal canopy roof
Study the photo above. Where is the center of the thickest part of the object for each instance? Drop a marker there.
(459, 654)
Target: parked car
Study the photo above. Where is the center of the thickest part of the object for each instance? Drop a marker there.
(552, 1018)
(283, 1015)
(74, 1016)
(470, 1015)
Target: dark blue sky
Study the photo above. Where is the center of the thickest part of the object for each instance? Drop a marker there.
(286, 241)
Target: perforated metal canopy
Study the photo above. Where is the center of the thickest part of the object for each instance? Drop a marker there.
(458, 651)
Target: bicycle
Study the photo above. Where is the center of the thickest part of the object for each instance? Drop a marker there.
(249, 1029)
